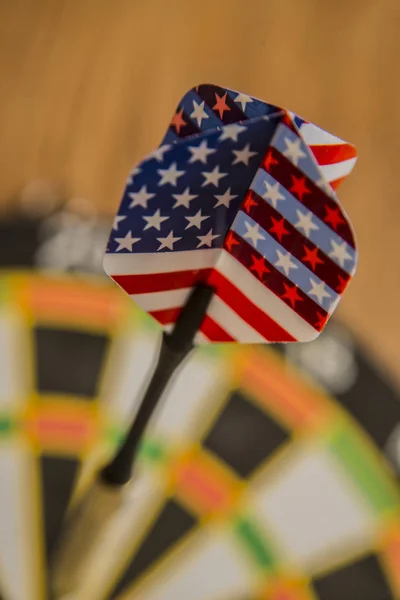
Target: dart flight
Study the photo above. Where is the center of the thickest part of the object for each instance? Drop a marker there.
(240, 196)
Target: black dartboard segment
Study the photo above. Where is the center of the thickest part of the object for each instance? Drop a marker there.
(83, 354)
(244, 436)
(172, 524)
(19, 242)
(58, 476)
(373, 401)
(362, 580)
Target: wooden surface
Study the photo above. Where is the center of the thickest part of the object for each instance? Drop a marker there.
(87, 87)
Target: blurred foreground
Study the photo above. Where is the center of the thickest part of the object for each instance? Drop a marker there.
(252, 482)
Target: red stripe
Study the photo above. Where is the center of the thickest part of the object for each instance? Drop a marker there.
(278, 283)
(295, 242)
(209, 327)
(333, 154)
(166, 315)
(214, 332)
(335, 184)
(160, 282)
(288, 121)
(315, 200)
(248, 311)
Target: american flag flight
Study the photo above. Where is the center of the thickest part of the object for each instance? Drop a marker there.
(241, 196)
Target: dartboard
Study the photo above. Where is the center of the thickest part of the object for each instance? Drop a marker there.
(252, 483)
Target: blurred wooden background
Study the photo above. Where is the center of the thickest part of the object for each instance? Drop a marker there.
(88, 86)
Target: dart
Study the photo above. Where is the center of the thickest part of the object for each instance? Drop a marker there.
(229, 232)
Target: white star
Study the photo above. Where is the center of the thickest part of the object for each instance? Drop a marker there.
(126, 242)
(158, 153)
(340, 253)
(243, 99)
(170, 175)
(272, 193)
(325, 186)
(212, 177)
(198, 112)
(231, 132)
(184, 198)
(168, 242)
(293, 150)
(135, 171)
(141, 197)
(243, 155)
(196, 220)
(155, 220)
(284, 262)
(253, 233)
(117, 221)
(200, 153)
(206, 240)
(318, 290)
(305, 222)
(225, 198)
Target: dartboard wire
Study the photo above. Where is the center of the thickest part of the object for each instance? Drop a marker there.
(20, 285)
(80, 306)
(353, 429)
(363, 465)
(181, 498)
(278, 392)
(365, 446)
(268, 476)
(214, 395)
(269, 590)
(321, 434)
(129, 322)
(64, 321)
(226, 383)
(17, 285)
(13, 413)
(276, 589)
(125, 550)
(129, 326)
(335, 413)
(207, 519)
(170, 559)
(35, 502)
(225, 519)
(174, 454)
(40, 528)
(36, 403)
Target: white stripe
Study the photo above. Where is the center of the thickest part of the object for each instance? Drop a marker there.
(264, 299)
(232, 323)
(164, 262)
(317, 136)
(161, 300)
(201, 338)
(338, 170)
